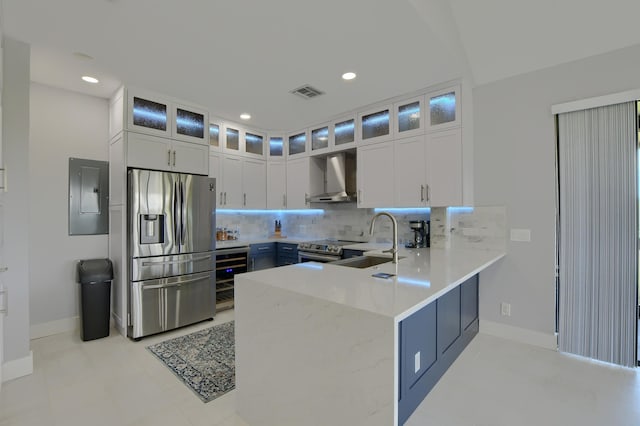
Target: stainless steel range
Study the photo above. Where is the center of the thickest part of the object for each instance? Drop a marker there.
(322, 251)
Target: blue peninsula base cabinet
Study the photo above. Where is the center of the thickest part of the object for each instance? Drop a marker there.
(430, 341)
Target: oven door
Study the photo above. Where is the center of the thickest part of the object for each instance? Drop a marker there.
(304, 256)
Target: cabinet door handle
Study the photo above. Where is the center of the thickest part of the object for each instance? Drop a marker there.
(253, 263)
(221, 197)
(428, 193)
(225, 198)
(168, 157)
(244, 201)
(422, 193)
(174, 158)
(263, 248)
(359, 196)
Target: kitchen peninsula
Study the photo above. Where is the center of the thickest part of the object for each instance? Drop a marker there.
(320, 344)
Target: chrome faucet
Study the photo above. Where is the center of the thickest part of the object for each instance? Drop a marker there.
(394, 249)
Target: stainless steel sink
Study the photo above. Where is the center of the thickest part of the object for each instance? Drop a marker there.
(362, 261)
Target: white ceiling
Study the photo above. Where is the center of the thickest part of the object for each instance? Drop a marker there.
(233, 56)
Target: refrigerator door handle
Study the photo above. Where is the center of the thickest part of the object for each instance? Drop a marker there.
(183, 212)
(174, 209)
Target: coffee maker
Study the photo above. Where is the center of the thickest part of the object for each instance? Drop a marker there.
(420, 230)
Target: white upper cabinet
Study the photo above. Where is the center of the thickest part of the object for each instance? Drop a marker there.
(297, 144)
(376, 125)
(215, 136)
(231, 139)
(344, 133)
(443, 109)
(305, 177)
(445, 170)
(409, 117)
(141, 111)
(232, 182)
(276, 147)
(410, 172)
(255, 144)
(242, 183)
(277, 185)
(254, 184)
(321, 138)
(148, 113)
(375, 175)
(155, 153)
(190, 124)
(298, 182)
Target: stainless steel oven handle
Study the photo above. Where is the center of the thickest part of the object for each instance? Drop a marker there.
(316, 257)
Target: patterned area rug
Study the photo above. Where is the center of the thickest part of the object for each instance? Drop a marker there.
(204, 360)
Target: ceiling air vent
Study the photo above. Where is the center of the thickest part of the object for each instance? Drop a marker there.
(307, 92)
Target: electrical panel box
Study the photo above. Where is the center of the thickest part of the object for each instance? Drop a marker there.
(88, 197)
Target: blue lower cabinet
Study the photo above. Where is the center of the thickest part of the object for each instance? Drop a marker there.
(469, 302)
(430, 341)
(448, 319)
(287, 254)
(262, 256)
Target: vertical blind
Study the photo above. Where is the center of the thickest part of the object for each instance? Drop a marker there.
(598, 206)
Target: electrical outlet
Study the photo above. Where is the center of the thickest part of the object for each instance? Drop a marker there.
(416, 362)
(505, 309)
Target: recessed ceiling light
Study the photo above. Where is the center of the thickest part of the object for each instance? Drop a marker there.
(90, 79)
(348, 75)
(245, 116)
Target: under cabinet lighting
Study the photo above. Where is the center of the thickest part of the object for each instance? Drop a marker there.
(245, 116)
(348, 75)
(301, 211)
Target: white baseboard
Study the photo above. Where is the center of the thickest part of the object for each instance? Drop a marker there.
(54, 327)
(522, 335)
(17, 368)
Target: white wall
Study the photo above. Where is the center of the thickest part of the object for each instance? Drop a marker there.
(15, 140)
(63, 124)
(515, 166)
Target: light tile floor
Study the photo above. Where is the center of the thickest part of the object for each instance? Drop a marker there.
(495, 382)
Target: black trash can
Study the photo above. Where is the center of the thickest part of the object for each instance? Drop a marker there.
(95, 276)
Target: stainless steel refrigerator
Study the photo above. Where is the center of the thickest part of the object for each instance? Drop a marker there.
(171, 219)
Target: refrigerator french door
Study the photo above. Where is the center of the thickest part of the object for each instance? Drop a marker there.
(171, 250)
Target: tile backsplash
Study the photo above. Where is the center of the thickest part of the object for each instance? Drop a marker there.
(339, 221)
(478, 227)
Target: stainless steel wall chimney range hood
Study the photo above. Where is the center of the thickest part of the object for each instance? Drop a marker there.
(340, 179)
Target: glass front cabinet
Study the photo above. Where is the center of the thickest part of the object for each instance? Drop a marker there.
(254, 144)
(443, 108)
(232, 138)
(190, 124)
(344, 133)
(409, 117)
(376, 125)
(321, 138)
(147, 113)
(276, 147)
(297, 144)
(214, 136)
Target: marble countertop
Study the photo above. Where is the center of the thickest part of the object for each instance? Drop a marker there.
(421, 276)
